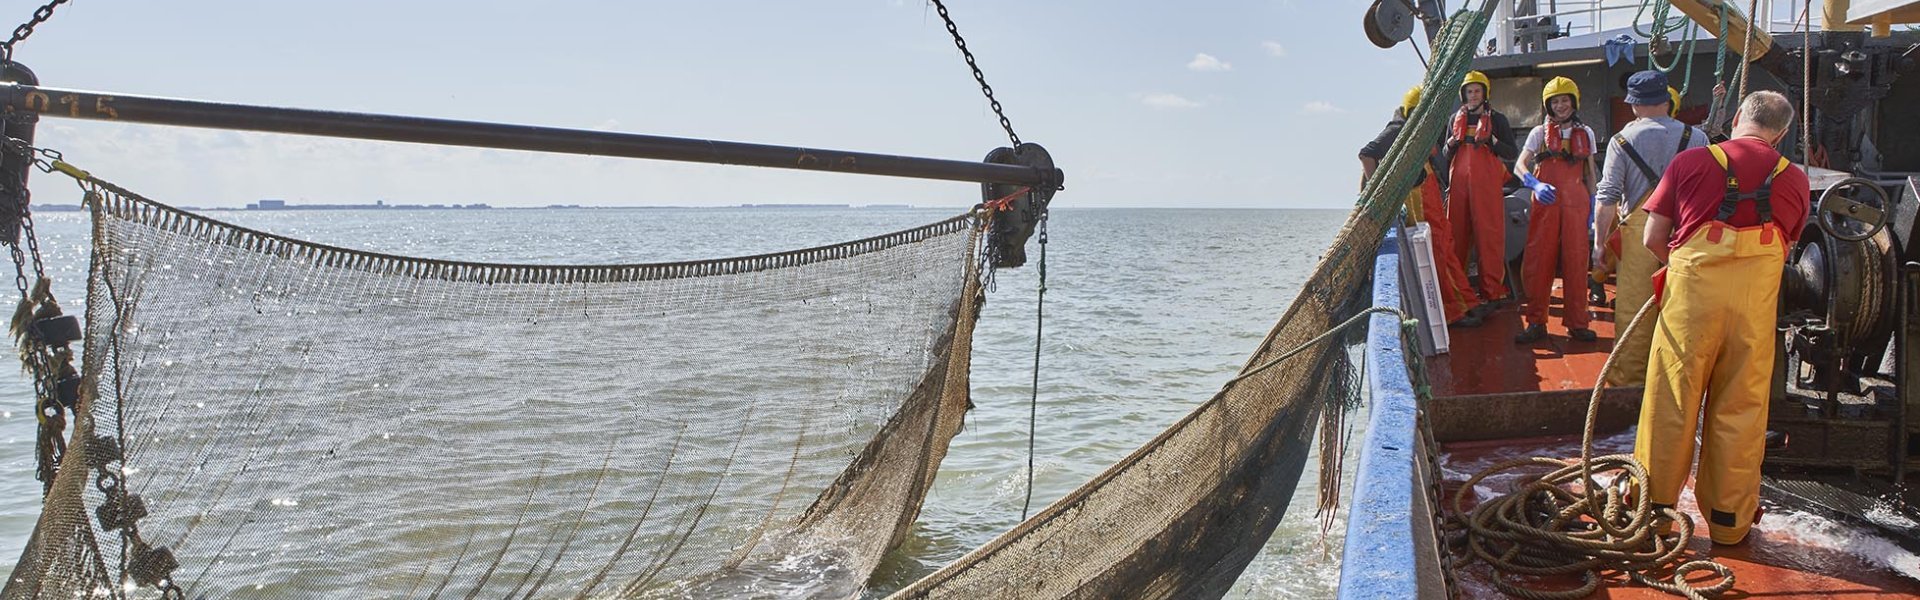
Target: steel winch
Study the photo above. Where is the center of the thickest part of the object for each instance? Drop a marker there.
(1845, 380)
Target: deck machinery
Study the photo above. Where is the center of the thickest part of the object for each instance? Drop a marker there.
(1846, 400)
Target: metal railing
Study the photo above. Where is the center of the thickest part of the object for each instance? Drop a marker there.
(1516, 25)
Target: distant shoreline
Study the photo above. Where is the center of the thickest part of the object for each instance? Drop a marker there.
(309, 207)
(464, 207)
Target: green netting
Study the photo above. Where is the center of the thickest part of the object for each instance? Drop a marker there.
(266, 417)
(1182, 516)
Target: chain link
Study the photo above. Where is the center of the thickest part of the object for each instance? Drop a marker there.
(961, 43)
(20, 33)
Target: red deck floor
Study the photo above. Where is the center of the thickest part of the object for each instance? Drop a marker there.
(1788, 555)
(1485, 359)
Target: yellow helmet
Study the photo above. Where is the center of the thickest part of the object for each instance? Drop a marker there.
(1559, 86)
(1474, 77)
(1673, 107)
(1407, 101)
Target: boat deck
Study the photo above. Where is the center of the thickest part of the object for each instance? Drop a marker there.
(1490, 380)
(1487, 361)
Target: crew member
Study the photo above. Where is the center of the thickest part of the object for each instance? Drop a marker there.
(1478, 138)
(1636, 157)
(1606, 248)
(1456, 293)
(1556, 162)
(1721, 220)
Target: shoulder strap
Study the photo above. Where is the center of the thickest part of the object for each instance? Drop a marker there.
(1652, 177)
(1762, 198)
(1686, 136)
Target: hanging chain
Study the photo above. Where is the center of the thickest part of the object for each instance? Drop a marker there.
(961, 43)
(20, 33)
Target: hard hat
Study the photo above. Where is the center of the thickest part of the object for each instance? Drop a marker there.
(1673, 109)
(1556, 87)
(1407, 101)
(1480, 78)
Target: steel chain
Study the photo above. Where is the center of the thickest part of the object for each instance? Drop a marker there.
(961, 43)
(40, 15)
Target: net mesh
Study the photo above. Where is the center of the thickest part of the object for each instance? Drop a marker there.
(265, 417)
(1184, 514)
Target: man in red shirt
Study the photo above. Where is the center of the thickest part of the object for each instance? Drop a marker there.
(1721, 219)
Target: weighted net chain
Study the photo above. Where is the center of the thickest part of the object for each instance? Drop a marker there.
(961, 43)
(40, 15)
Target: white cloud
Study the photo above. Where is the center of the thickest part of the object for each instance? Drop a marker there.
(1171, 101)
(1274, 49)
(1321, 107)
(1207, 62)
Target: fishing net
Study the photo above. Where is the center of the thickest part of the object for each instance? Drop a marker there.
(266, 417)
(1183, 515)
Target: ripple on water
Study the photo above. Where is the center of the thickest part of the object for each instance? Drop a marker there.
(1147, 313)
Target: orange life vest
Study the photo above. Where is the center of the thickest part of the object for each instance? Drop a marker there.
(1480, 133)
(1573, 148)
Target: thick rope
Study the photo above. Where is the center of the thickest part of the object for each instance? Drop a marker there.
(1550, 526)
(1716, 112)
(1039, 326)
(1806, 83)
(1746, 47)
(1405, 321)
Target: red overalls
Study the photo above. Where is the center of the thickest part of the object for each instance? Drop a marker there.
(1557, 240)
(1456, 293)
(1475, 202)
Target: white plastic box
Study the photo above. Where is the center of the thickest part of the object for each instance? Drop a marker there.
(1420, 240)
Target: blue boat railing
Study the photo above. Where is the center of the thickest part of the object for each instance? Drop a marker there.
(1392, 548)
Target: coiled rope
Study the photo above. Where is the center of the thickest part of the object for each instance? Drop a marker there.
(1566, 522)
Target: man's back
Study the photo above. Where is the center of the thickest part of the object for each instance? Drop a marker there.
(1694, 185)
(1656, 139)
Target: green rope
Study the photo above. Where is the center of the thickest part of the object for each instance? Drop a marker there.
(1663, 24)
(1406, 323)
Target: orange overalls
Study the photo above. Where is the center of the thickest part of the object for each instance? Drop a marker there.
(1557, 233)
(1477, 207)
(1714, 344)
(1456, 293)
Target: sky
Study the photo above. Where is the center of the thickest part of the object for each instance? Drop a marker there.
(1243, 104)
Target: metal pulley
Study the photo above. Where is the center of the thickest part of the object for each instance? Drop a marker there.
(1016, 209)
(1389, 22)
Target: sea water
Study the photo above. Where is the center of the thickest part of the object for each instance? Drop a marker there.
(1147, 313)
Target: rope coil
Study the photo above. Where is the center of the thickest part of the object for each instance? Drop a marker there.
(1566, 522)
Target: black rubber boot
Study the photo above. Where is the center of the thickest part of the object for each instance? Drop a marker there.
(1533, 333)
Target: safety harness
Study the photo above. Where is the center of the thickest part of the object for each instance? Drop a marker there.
(1653, 177)
(1761, 198)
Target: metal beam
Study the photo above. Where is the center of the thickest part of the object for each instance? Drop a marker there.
(101, 106)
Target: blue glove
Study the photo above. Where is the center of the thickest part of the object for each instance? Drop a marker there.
(1542, 191)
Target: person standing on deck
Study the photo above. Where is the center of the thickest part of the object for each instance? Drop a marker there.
(1606, 243)
(1636, 158)
(1456, 293)
(1477, 205)
(1556, 162)
(1721, 220)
